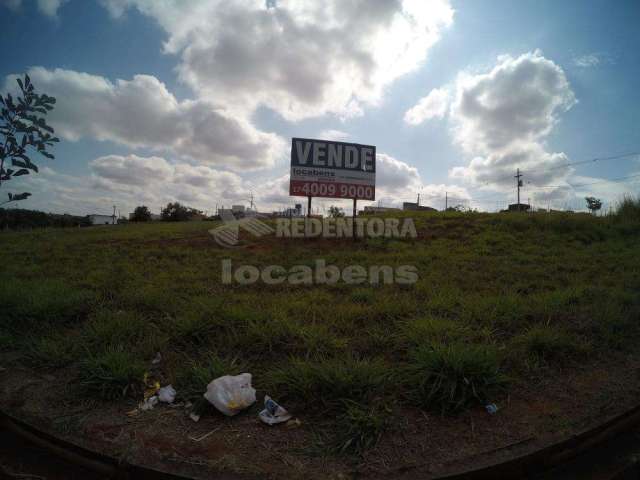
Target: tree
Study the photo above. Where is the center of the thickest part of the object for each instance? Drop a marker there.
(24, 131)
(335, 212)
(175, 212)
(141, 214)
(594, 204)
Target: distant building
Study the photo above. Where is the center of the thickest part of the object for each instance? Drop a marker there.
(372, 210)
(519, 207)
(290, 212)
(415, 206)
(237, 209)
(97, 219)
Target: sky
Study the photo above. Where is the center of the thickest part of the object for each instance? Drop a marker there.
(197, 101)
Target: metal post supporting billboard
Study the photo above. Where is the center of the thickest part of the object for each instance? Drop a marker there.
(306, 222)
(354, 219)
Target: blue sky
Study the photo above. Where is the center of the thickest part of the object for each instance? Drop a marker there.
(556, 83)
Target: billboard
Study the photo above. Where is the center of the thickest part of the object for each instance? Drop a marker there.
(324, 168)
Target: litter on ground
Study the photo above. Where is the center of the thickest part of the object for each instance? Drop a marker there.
(167, 394)
(273, 413)
(231, 394)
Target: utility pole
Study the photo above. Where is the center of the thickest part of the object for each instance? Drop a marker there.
(418, 202)
(446, 200)
(519, 184)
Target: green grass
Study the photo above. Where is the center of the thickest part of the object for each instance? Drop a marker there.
(111, 373)
(193, 376)
(499, 296)
(324, 386)
(545, 344)
(448, 378)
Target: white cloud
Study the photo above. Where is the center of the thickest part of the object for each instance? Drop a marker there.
(501, 119)
(46, 7)
(142, 113)
(301, 59)
(50, 7)
(434, 105)
(11, 4)
(587, 60)
(129, 181)
(132, 169)
(336, 135)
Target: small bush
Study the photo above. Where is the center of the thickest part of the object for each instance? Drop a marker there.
(111, 373)
(449, 378)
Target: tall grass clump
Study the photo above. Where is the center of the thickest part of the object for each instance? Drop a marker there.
(628, 209)
(325, 385)
(111, 373)
(194, 376)
(545, 344)
(448, 378)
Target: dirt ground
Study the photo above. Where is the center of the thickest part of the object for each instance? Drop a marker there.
(420, 445)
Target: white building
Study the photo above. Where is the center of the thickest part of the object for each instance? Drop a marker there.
(97, 219)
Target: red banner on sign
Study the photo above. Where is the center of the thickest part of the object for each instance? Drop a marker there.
(303, 188)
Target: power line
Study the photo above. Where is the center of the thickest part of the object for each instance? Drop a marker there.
(606, 180)
(569, 164)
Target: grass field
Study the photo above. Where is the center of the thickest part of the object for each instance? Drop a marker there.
(501, 299)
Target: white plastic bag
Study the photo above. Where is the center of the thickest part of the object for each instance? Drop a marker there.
(231, 394)
(167, 394)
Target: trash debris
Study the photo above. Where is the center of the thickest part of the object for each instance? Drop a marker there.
(231, 394)
(157, 359)
(149, 403)
(273, 413)
(195, 417)
(167, 394)
(152, 386)
(491, 408)
(198, 439)
(295, 423)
